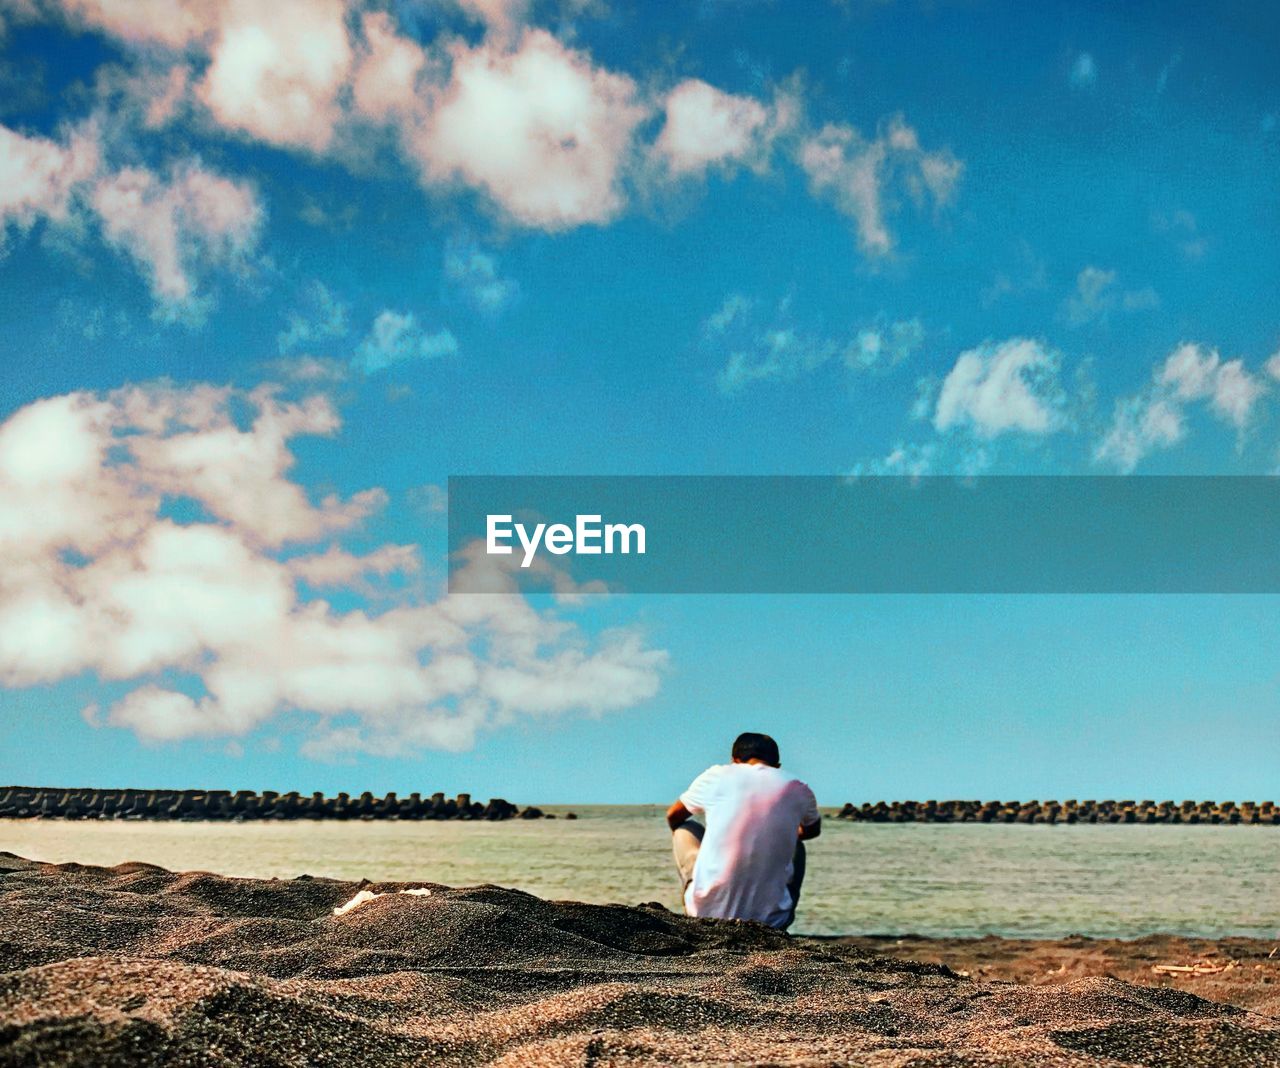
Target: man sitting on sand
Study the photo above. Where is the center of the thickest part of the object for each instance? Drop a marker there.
(748, 861)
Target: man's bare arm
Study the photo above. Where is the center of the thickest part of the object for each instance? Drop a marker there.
(811, 830)
(677, 814)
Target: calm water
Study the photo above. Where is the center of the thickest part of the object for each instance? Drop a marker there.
(1035, 881)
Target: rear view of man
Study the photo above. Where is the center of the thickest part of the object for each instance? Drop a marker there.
(747, 862)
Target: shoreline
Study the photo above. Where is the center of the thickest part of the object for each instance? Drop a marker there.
(134, 964)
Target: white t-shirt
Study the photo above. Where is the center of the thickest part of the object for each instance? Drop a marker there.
(752, 813)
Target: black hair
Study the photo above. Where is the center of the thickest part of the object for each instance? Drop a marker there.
(759, 746)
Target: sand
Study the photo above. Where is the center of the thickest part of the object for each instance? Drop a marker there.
(1235, 971)
(135, 965)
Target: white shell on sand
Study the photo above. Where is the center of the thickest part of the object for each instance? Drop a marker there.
(365, 896)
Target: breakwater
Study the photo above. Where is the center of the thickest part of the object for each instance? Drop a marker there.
(42, 802)
(1265, 813)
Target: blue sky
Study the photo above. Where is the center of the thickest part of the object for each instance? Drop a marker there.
(282, 299)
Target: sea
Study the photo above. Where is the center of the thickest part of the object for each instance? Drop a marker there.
(935, 880)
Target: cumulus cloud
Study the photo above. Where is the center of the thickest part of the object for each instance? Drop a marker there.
(546, 136)
(498, 16)
(997, 388)
(173, 227)
(1098, 294)
(1194, 373)
(1155, 418)
(541, 130)
(174, 23)
(38, 177)
(705, 127)
(1139, 425)
(276, 69)
(544, 133)
(385, 85)
(335, 567)
(864, 178)
(396, 337)
(205, 619)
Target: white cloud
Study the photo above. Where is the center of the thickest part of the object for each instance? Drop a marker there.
(1144, 299)
(167, 92)
(1182, 228)
(1092, 296)
(1193, 372)
(993, 389)
(965, 458)
(911, 459)
(501, 17)
(1272, 365)
(238, 475)
(476, 275)
(173, 23)
(705, 127)
(1139, 425)
(779, 350)
(774, 353)
(1026, 273)
(1098, 294)
(548, 137)
(322, 317)
(385, 85)
(885, 346)
(396, 336)
(171, 227)
(430, 501)
(1189, 371)
(309, 370)
(174, 227)
(39, 176)
(276, 70)
(1235, 392)
(337, 567)
(735, 305)
(95, 578)
(1155, 418)
(541, 130)
(862, 177)
(1084, 72)
(843, 166)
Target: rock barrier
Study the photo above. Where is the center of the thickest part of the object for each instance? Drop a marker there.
(1265, 813)
(37, 802)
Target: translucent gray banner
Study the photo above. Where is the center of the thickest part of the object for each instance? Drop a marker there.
(780, 534)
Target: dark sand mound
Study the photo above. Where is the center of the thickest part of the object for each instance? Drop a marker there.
(1236, 971)
(134, 965)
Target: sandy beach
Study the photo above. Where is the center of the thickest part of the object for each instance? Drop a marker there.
(135, 965)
